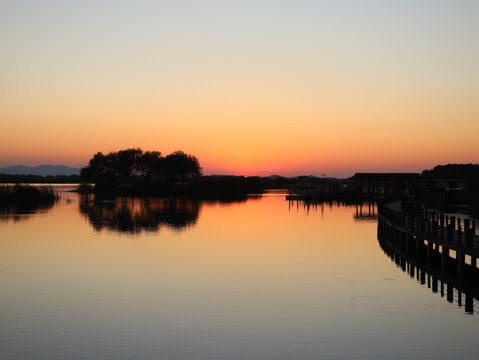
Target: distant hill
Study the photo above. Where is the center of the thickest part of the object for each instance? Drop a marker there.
(41, 170)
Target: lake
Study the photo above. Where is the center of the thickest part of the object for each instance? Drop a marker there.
(262, 278)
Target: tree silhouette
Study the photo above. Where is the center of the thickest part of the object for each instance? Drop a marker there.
(128, 161)
(149, 164)
(133, 165)
(179, 166)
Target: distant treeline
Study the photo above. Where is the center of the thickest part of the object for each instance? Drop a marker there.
(134, 172)
(227, 188)
(453, 171)
(38, 179)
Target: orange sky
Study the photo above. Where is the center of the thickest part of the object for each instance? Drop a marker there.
(249, 89)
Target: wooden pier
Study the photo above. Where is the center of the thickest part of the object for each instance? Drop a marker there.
(428, 244)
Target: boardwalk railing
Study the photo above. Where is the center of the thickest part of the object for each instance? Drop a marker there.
(433, 224)
(441, 246)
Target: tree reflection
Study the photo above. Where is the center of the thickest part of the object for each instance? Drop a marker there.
(134, 215)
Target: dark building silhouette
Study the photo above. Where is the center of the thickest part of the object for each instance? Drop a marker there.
(385, 183)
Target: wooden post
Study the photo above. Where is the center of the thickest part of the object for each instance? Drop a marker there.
(469, 303)
(451, 228)
(460, 264)
(429, 253)
(446, 225)
(450, 293)
(444, 259)
(467, 231)
(417, 248)
(407, 243)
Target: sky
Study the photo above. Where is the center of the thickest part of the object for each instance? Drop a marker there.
(249, 87)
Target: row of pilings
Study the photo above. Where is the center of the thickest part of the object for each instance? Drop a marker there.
(434, 251)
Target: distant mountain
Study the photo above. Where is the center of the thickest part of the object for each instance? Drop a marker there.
(41, 170)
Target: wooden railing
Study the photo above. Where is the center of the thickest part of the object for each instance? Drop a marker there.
(433, 223)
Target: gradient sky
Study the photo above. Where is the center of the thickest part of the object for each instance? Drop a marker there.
(249, 87)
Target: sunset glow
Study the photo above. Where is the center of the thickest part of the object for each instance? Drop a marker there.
(252, 88)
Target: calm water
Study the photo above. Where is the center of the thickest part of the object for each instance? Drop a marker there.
(258, 279)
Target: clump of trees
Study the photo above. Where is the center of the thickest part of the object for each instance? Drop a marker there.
(130, 165)
(453, 171)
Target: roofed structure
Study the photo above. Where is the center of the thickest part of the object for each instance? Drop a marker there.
(399, 177)
(385, 183)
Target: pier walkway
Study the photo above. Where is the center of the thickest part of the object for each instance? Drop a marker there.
(431, 244)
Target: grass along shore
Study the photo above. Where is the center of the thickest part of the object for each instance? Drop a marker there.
(24, 198)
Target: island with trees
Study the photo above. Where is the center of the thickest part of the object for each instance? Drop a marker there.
(133, 166)
(147, 173)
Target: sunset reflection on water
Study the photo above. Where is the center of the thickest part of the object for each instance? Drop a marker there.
(176, 279)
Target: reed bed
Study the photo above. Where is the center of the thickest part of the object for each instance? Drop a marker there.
(26, 197)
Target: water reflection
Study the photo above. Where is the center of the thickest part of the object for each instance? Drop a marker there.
(246, 281)
(134, 215)
(364, 210)
(426, 262)
(23, 211)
